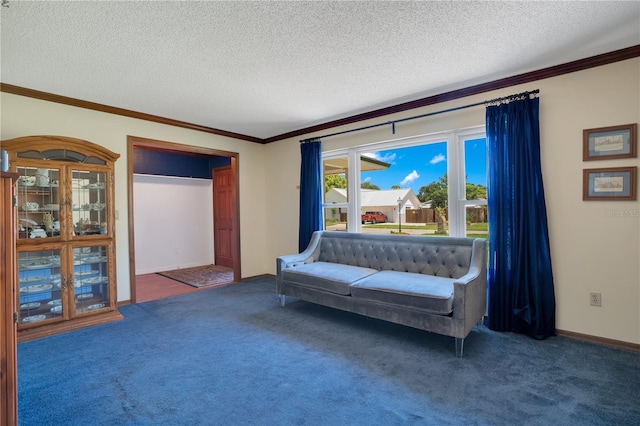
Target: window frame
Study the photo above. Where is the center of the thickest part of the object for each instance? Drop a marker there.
(455, 174)
(458, 226)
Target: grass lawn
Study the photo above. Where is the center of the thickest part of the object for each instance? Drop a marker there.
(485, 236)
(482, 226)
(395, 226)
(429, 227)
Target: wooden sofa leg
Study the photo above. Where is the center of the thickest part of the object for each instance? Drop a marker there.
(459, 347)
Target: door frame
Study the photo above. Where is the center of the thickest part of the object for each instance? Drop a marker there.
(134, 142)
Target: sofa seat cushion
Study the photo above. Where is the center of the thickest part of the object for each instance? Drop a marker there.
(331, 277)
(426, 292)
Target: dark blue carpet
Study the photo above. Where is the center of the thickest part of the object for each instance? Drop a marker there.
(232, 356)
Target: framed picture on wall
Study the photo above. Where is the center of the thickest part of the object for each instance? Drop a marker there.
(613, 184)
(610, 142)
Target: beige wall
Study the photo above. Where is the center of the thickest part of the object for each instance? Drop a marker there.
(592, 250)
(23, 116)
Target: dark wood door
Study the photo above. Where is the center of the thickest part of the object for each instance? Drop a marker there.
(223, 226)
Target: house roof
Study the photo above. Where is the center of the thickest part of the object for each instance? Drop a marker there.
(384, 197)
(332, 166)
(262, 69)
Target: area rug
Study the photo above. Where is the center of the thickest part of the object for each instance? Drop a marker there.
(202, 276)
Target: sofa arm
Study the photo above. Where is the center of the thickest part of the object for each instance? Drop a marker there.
(310, 254)
(470, 292)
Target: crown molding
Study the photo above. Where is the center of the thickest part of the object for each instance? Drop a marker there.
(579, 65)
(554, 71)
(65, 100)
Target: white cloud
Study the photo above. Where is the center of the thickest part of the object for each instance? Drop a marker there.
(387, 158)
(409, 178)
(438, 159)
(368, 179)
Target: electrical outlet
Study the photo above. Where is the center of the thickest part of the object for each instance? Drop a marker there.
(596, 299)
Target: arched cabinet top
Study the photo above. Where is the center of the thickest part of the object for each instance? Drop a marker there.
(59, 148)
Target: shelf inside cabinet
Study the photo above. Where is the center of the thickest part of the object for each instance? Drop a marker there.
(40, 292)
(30, 191)
(36, 311)
(39, 203)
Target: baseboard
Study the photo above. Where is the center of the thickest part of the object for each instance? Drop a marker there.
(600, 340)
(255, 277)
(163, 268)
(71, 325)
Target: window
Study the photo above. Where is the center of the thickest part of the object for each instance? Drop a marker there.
(335, 170)
(475, 190)
(429, 184)
(470, 183)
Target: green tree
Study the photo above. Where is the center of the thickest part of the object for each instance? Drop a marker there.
(334, 181)
(476, 192)
(395, 187)
(436, 192)
(369, 185)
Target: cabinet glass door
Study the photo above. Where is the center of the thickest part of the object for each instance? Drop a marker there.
(40, 289)
(91, 278)
(89, 202)
(38, 202)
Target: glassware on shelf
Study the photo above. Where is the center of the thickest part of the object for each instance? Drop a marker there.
(91, 278)
(39, 202)
(39, 283)
(89, 211)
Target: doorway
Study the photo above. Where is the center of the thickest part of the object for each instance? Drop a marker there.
(138, 146)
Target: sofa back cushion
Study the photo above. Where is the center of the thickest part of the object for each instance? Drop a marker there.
(439, 256)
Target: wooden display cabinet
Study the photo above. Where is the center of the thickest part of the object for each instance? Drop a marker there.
(65, 260)
(8, 340)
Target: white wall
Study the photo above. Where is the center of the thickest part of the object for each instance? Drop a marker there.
(173, 222)
(592, 251)
(22, 116)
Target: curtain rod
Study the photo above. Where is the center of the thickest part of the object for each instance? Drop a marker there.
(393, 122)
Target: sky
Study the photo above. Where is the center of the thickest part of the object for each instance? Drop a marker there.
(417, 166)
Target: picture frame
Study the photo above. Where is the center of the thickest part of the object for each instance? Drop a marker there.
(610, 184)
(605, 143)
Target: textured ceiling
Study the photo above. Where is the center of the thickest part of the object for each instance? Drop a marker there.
(266, 68)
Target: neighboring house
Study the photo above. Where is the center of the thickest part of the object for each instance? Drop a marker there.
(385, 201)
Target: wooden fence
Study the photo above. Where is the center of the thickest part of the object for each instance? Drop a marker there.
(420, 215)
(474, 215)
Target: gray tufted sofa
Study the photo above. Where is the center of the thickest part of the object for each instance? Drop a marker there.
(438, 284)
